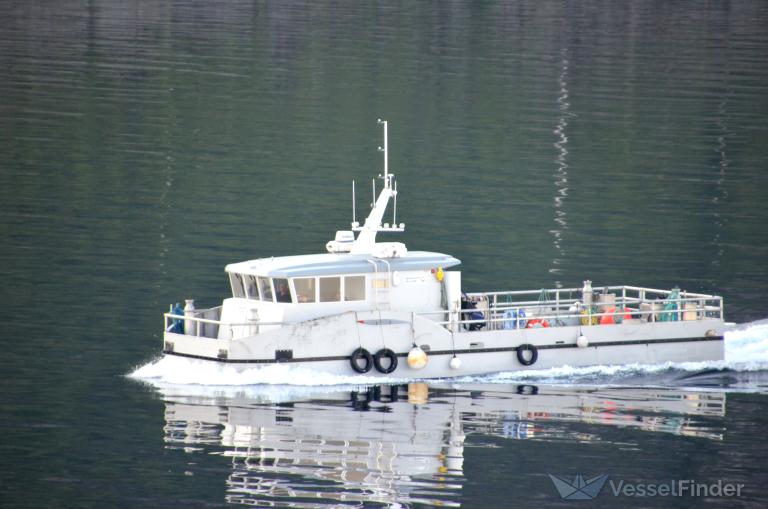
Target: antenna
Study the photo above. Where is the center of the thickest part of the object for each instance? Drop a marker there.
(386, 155)
(365, 243)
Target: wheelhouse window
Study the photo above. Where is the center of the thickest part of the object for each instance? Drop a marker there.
(282, 293)
(238, 290)
(305, 289)
(330, 289)
(354, 288)
(252, 287)
(265, 287)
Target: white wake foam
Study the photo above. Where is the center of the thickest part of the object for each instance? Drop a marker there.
(746, 350)
(748, 345)
(184, 371)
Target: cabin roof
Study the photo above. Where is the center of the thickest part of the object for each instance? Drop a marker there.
(326, 264)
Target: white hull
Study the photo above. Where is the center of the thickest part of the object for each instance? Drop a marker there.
(326, 345)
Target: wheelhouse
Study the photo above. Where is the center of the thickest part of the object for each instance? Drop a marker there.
(299, 290)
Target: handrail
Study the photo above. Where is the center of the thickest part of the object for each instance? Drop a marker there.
(633, 311)
(554, 310)
(682, 292)
(219, 322)
(596, 291)
(588, 316)
(564, 304)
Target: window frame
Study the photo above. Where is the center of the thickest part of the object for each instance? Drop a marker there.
(287, 285)
(320, 290)
(365, 288)
(255, 280)
(315, 287)
(268, 280)
(234, 276)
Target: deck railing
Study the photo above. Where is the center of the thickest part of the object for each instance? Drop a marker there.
(205, 323)
(564, 306)
(515, 309)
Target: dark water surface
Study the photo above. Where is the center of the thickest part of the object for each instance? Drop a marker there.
(145, 145)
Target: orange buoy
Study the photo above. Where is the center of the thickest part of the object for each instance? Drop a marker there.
(608, 319)
(536, 322)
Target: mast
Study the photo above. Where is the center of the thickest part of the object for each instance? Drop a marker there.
(366, 239)
(386, 155)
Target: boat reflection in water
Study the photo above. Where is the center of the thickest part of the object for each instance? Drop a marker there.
(403, 444)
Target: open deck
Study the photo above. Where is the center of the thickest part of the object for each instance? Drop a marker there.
(612, 305)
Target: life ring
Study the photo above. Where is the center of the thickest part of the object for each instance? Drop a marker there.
(361, 353)
(521, 356)
(536, 322)
(385, 352)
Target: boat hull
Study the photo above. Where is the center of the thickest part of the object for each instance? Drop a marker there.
(326, 345)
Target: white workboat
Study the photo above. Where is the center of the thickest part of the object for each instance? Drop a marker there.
(378, 309)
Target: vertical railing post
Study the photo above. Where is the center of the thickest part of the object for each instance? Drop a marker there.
(495, 308)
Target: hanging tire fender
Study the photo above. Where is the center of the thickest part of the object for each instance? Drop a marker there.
(521, 354)
(389, 354)
(361, 353)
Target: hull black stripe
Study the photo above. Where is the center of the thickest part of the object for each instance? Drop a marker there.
(451, 352)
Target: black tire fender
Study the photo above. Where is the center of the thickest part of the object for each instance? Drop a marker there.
(527, 390)
(521, 354)
(392, 356)
(361, 353)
